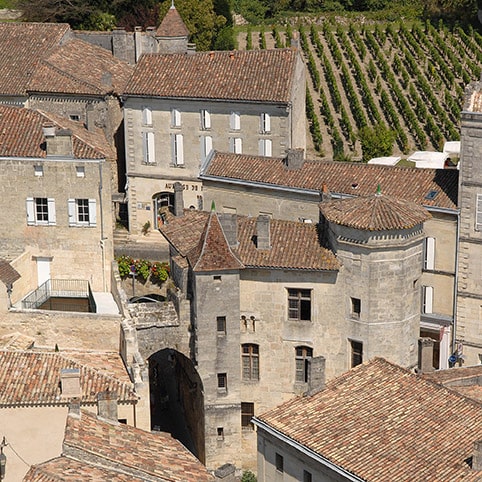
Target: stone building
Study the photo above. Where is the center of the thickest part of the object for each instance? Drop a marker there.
(289, 188)
(250, 102)
(260, 286)
(386, 424)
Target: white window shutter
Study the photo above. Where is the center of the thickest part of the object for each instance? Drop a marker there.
(205, 119)
(151, 150)
(238, 145)
(235, 121)
(265, 122)
(72, 208)
(145, 147)
(30, 211)
(147, 116)
(478, 214)
(429, 253)
(261, 147)
(175, 118)
(51, 211)
(173, 149)
(231, 144)
(179, 150)
(208, 145)
(427, 299)
(92, 212)
(267, 147)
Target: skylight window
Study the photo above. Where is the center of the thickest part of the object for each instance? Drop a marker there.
(431, 195)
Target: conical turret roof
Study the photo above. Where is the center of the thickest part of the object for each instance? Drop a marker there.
(172, 25)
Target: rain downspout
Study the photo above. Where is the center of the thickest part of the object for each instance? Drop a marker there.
(102, 240)
(456, 281)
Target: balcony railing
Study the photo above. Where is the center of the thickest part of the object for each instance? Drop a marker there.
(58, 289)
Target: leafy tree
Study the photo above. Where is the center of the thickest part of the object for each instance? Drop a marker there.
(248, 476)
(376, 141)
(225, 39)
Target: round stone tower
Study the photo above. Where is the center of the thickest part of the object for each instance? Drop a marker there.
(379, 241)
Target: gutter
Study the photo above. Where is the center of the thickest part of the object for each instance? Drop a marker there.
(306, 451)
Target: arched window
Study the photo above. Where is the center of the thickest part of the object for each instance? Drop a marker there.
(303, 358)
(250, 361)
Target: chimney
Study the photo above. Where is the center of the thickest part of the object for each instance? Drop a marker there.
(425, 355)
(107, 406)
(263, 232)
(325, 193)
(316, 374)
(74, 407)
(59, 144)
(229, 223)
(90, 117)
(70, 382)
(295, 158)
(106, 80)
(178, 199)
(477, 457)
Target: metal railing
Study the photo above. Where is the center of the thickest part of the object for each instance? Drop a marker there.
(61, 288)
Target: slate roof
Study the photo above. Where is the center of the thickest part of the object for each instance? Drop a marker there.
(33, 378)
(355, 179)
(172, 25)
(153, 454)
(374, 213)
(8, 274)
(383, 424)
(21, 135)
(254, 75)
(70, 470)
(22, 46)
(78, 67)
(294, 245)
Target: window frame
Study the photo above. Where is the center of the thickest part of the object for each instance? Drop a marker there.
(177, 150)
(236, 145)
(222, 382)
(176, 119)
(235, 121)
(265, 123)
(247, 413)
(75, 206)
(221, 323)
(265, 147)
(427, 299)
(148, 147)
(205, 119)
(299, 296)
(305, 358)
(47, 212)
(356, 353)
(478, 213)
(279, 462)
(250, 362)
(355, 308)
(146, 116)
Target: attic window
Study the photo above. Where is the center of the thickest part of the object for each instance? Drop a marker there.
(75, 117)
(431, 195)
(38, 170)
(80, 171)
(354, 185)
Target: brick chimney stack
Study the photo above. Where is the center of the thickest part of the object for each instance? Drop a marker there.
(58, 142)
(70, 382)
(107, 406)
(263, 232)
(178, 199)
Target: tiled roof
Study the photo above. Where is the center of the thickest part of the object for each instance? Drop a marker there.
(22, 46)
(374, 213)
(355, 179)
(254, 75)
(21, 135)
(172, 25)
(294, 245)
(32, 378)
(70, 470)
(383, 424)
(155, 454)
(8, 274)
(16, 341)
(212, 252)
(78, 67)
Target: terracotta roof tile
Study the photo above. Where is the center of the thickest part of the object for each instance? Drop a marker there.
(78, 67)
(212, 253)
(8, 274)
(384, 424)
(355, 179)
(374, 213)
(32, 378)
(21, 135)
(255, 75)
(172, 25)
(70, 470)
(156, 454)
(22, 46)
(294, 245)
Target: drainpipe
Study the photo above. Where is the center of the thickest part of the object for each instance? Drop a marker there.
(456, 281)
(102, 239)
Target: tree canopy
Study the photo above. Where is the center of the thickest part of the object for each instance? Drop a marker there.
(376, 141)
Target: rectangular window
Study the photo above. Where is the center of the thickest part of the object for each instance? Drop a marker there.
(177, 149)
(38, 171)
(279, 462)
(478, 214)
(250, 361)
(82, 212)
(429, 253)
(265, 123)
(355, 308)
(221, 325)
(222, 381)
(175, 118)
(307, 477)
(299, 304)
(148, 146)
(220, 432)
(74, 117)
(236, 145)
(303, 359)
(80, 171)
(40, 211)
(356, 353)
(247, 413)
(265, 147)
(427, 299)
(205, 119)
(147, 116)
(206, 147)
(235, 121)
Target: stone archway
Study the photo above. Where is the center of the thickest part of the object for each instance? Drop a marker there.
(177, 401)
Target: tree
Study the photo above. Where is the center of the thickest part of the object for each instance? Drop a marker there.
(376, 141)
